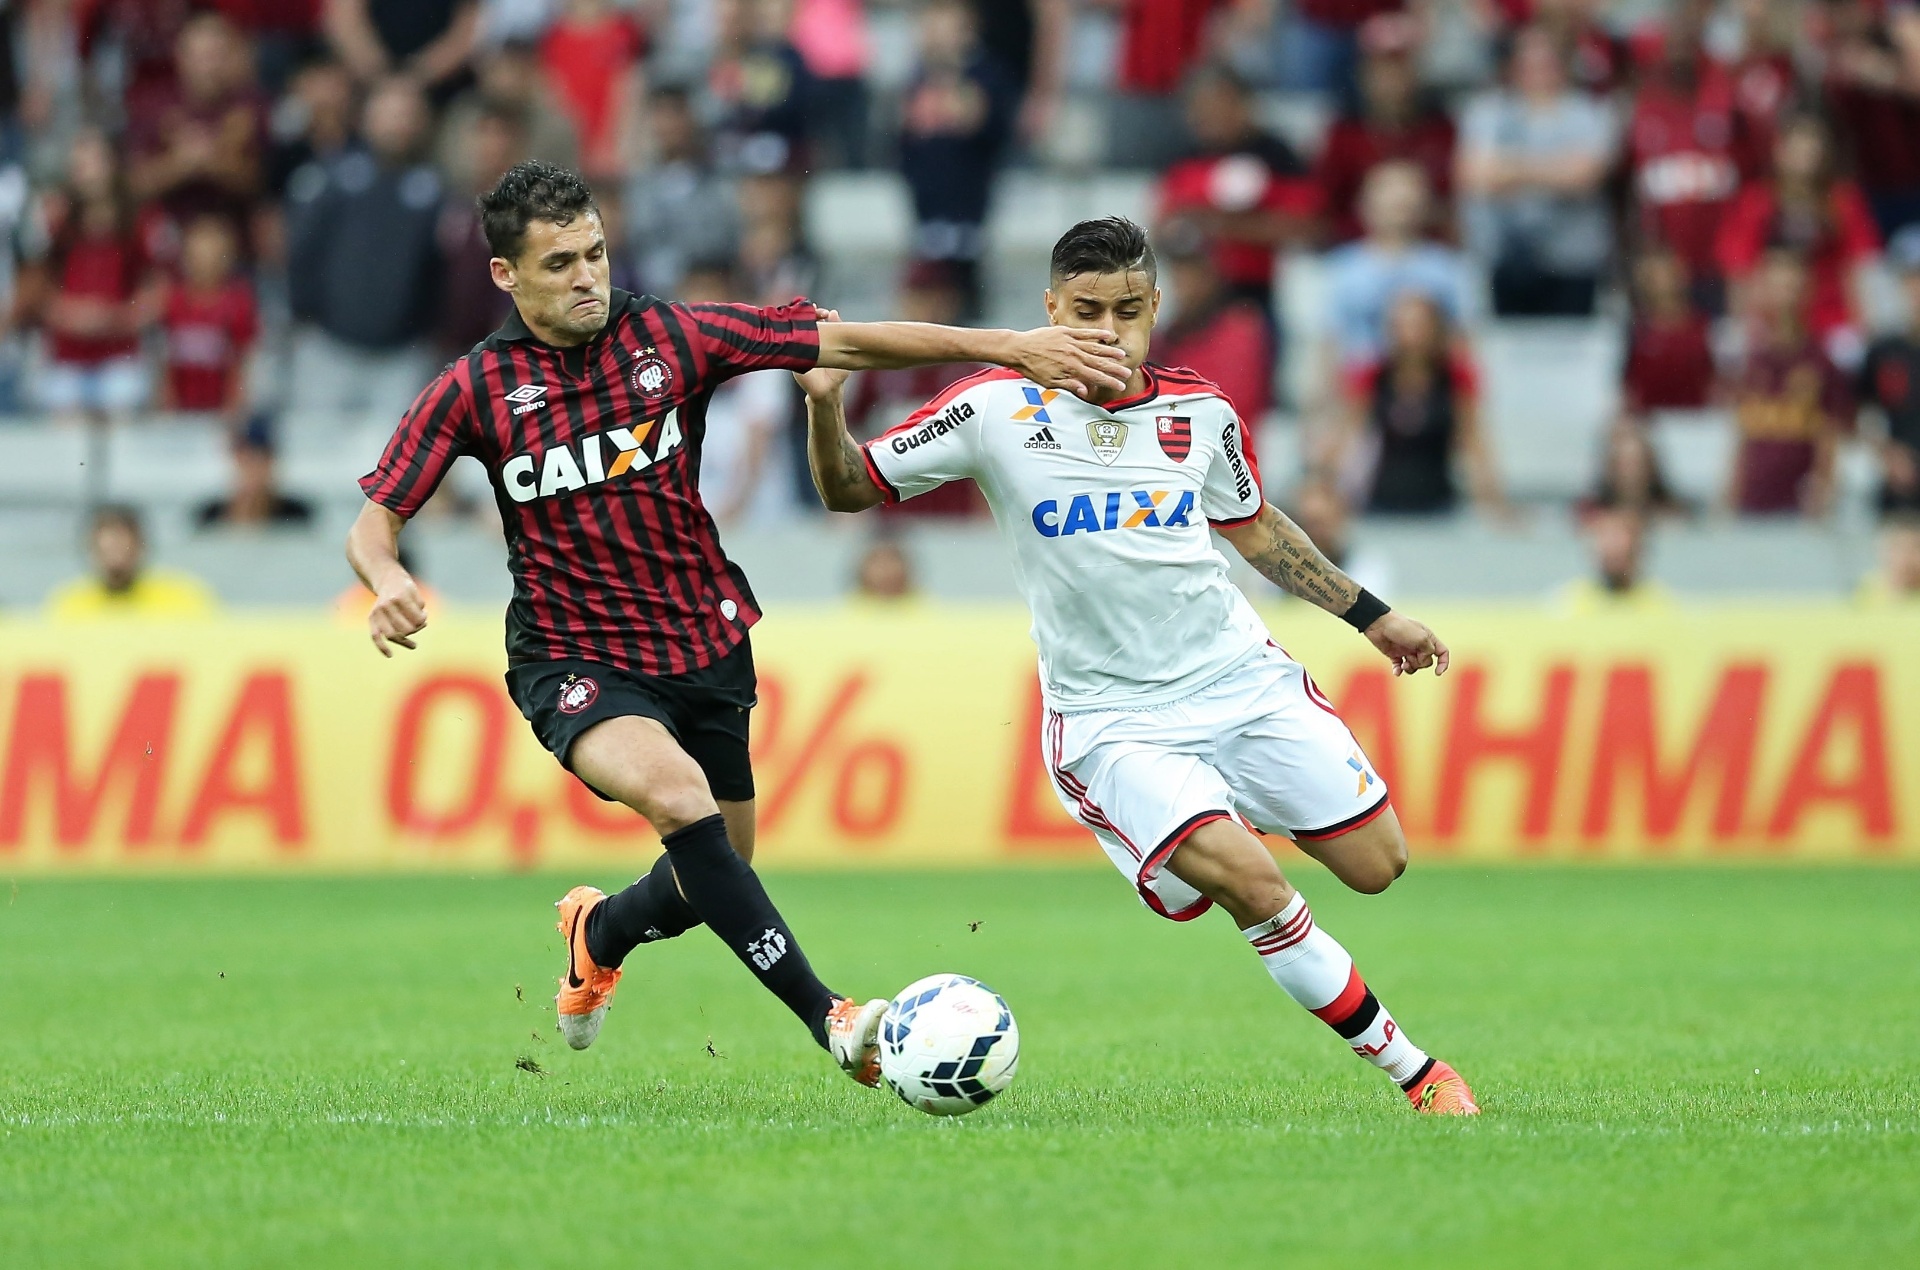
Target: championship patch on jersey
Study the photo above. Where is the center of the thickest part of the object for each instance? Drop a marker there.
(1175, 435)
(1109, 437)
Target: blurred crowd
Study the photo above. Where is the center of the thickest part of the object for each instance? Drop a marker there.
(250, 210)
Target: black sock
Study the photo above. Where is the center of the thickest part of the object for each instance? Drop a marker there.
(650, 909)
(726, 894)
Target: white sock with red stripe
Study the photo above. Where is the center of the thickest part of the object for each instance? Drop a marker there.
(1311, 967)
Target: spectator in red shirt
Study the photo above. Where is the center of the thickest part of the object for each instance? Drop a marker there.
(1161, 41)
(141, 35)
(1669, 356)
(1873, 89)
(1681, 151)
(209, 322)
(283, 33)
(1809, 210)
(1245, 189)
(1413, 415)
(932, 291)
(1214, 333)
(197, 147)
(592, 57)
(1393, 122)
(1791, 403)
(96, 287)
(1762, 81)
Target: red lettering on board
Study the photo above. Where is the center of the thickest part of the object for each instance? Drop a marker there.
(262, 719)
(1536, 748)
(485, 712)
(40, 756)
(1852, 704)
(1627, 743)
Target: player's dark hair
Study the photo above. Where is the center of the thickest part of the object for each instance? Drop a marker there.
(1112, 244)
(530, 191)
(119, 516)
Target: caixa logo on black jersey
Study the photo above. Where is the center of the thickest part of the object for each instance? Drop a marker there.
(591, 460)
(938, 426)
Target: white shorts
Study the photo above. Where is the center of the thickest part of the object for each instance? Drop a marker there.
(1261, 744)
(115, 386)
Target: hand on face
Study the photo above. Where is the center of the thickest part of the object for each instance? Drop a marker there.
(1113, 313)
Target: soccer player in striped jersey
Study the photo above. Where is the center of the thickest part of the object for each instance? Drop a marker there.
(1174, 722)
(627, 644)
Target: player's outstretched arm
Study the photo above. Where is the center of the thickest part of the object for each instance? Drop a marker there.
(1286, 557)
(1051, 356)
(373, 549)
(839, 473)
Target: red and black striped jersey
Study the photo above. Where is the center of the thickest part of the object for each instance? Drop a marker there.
(594, 454)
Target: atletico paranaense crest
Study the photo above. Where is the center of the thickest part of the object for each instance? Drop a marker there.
(577, 693)
(1109, 437)
(650, 377)
(1175, 435)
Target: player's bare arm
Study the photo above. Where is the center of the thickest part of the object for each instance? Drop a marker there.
(1286, 557)
(839, 472)
(1078, 360)
(373, 549)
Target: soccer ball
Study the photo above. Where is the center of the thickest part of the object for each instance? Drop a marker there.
(948, 1044)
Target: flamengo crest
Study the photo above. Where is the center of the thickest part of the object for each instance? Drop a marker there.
(1175, 435)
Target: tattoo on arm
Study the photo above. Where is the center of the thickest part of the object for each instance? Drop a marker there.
(1283, 554)
(839, 471)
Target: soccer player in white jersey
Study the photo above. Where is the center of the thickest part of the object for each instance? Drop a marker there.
(1173, 720)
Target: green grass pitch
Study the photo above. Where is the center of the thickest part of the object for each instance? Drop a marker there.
(1679, 1067)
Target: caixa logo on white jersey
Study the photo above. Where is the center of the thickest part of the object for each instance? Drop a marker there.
(592, 460)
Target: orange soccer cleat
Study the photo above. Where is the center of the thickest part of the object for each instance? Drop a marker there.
(1442, 1092)
(586, 989)
(853, 1037)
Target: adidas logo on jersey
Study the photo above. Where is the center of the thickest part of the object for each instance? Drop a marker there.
(1117, 509)
(597, 457)
(1041, 440)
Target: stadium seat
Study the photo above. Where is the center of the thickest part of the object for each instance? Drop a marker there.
(1030, 210)
(1549, 389)
(47, 464)
(1301, 119)
(860, 224)
(1695, 448)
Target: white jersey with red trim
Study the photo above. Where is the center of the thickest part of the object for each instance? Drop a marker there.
(1106, 509)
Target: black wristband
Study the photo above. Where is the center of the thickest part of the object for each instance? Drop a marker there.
(1365, 611)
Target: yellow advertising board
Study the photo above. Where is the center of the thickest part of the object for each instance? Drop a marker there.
(895, 738)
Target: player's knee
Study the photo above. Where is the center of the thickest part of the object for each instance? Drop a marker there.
(678, 805)
(1251, 892)
(1375, 870)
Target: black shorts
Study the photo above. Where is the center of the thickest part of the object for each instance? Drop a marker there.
(706, 710)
